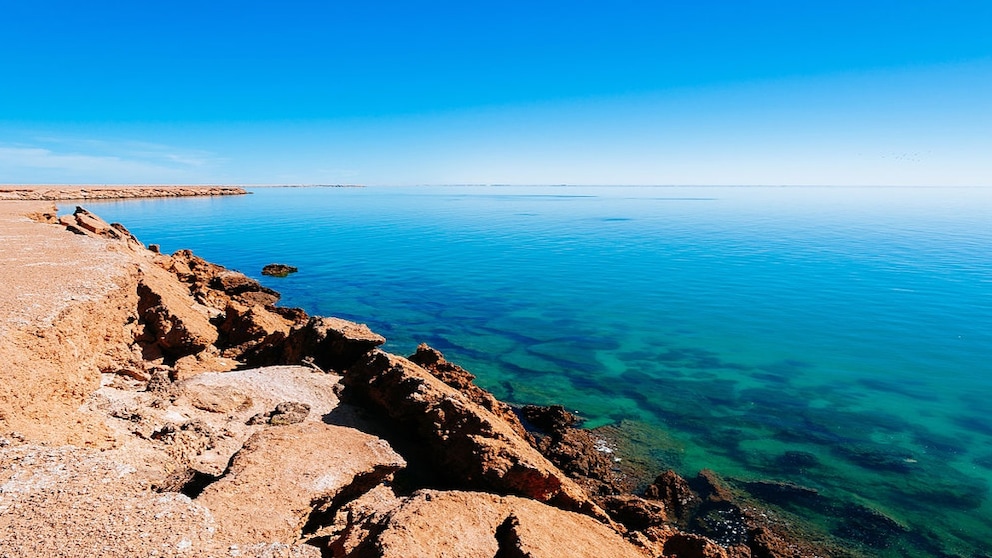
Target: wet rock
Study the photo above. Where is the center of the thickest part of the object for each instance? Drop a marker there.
(282, 475)
(676, 494)
(278, 270)
(785, 494)
(634, 513)
(867, 526)
(473, 447)
(580, 453)
(551, 419)
(433, 361)
(798, 460)
(485, 525)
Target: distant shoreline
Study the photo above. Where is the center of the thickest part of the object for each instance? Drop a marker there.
(104, 192)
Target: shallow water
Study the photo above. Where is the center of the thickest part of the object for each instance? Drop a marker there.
(838, 338)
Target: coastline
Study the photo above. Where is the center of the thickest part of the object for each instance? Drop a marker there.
(106, 192)
(182, 322)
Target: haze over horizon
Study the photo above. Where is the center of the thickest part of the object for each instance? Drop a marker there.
(709, 93)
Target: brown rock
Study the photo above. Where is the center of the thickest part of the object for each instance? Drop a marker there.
(282, 475)
(173, 321)
(433, 361)
(331, 343)
(578, 452)
(472, 524)
(278, 270)
(676, 494)
(473, 447)
(220, 399)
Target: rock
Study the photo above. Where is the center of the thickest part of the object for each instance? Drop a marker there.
(676, 494)
(88, 223)
(485, 525)
(551, 420)
(636, 514)
(474, 448)
(278, 270)
(285, 413)
(457, 377)
(220, 399)
(251, 328)
(581, 454)
(172, 321)
(332, 343)
(282, 475)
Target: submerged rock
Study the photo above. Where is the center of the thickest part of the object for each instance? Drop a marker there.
(278, 270)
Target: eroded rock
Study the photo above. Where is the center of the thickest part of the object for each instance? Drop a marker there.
(473, 447)
(473, 524)
(282, 475)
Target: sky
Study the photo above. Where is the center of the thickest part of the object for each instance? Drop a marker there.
(481, 92)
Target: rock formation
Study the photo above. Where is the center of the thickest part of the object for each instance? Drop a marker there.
(201, 455)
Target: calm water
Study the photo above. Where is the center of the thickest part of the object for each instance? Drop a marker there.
(838, 338)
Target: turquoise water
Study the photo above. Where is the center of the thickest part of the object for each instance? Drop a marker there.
(838, 338)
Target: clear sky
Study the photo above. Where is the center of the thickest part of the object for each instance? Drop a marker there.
(537, 92)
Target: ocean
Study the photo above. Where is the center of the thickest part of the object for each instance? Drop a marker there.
(836, 338)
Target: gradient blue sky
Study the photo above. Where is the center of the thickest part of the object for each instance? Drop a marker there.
(620, 92)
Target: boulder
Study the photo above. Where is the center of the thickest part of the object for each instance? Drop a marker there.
(473, 524)
(331, 343)
(278, 270)
(173, 322)
(433, 361)
(474, 448)
(284, 475)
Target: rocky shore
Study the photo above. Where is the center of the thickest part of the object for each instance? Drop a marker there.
(57, 193)
(162, 405)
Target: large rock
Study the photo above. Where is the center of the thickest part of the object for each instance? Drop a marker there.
(331, 343)
(472, 524)
(433, 361)
(174, 323)
(284, 474)
(473, 447)
(86, 223)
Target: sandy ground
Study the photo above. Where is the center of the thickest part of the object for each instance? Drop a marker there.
(44, 268)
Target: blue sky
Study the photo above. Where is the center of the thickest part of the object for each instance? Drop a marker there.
(624, 92)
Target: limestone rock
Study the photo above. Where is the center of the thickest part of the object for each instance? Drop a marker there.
(331, 343)
(433, 361)
(173, 322)
(282, 475)
(473, 524)
(473, 447)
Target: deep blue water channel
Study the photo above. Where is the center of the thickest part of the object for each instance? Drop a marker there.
(837, 338)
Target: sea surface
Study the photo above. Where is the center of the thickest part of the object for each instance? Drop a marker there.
(835, 338)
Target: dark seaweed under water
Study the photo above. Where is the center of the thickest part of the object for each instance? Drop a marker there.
(836, 338)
